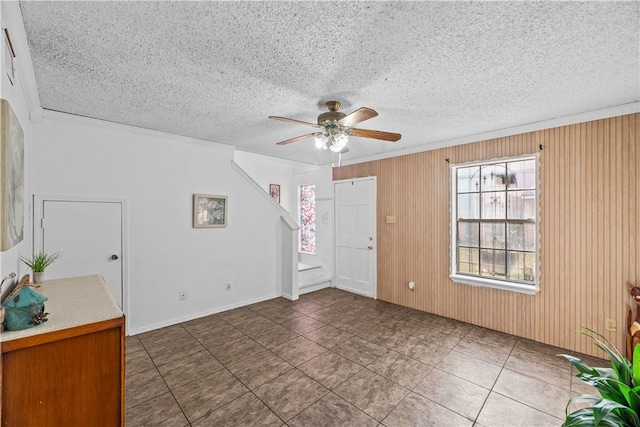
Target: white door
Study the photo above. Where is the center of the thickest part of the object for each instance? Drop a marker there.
(355, 254)
(88, 235)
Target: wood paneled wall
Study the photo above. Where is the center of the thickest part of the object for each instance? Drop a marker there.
(590, 232)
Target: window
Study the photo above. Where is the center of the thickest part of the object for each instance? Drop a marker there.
(308, 218)
(494, 224)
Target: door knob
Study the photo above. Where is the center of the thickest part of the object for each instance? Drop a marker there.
(370, 248)
(114, 257)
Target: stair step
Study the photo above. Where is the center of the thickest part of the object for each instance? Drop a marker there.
(307, 272)
(303, 267)
(315, 285)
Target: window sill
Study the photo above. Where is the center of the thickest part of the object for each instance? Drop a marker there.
(496, 284)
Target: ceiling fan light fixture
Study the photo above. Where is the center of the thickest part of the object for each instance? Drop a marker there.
(333, 138)
(321, 140)
(339, 141)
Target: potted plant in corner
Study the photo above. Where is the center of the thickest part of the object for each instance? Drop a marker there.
(619, 388)
(38, 263)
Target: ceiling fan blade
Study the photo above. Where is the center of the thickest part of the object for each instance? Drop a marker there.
(376, 134)
(285, 119)
(297, 138)
(360, 115)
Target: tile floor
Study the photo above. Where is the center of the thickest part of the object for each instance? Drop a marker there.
(336, 359)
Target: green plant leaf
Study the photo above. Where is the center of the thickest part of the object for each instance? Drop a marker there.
(578, 363)
(636, 364)
(633, 403)
(603, 408)
(631, 397)
(40, 260)
(582, 398)
(612, 389)
(611, 347)
(618, 362)
(608, 386)
(584, 418)
(580, 418)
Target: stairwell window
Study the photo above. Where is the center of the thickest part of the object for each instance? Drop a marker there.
(307, 209)
(495, 225)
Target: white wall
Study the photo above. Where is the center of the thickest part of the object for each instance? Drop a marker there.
(267, 170)
(158, 174)
(16, 95)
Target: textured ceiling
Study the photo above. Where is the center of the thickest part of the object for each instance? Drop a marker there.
(433, 70)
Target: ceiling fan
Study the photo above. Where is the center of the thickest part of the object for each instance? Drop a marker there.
(335, 127)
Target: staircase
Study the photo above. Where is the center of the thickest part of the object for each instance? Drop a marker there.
(311, 278)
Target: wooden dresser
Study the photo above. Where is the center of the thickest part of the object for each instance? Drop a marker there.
(68, 371)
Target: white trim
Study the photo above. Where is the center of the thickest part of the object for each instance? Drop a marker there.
(492, 283)
(298, 250)
(373, 234)
(495, 160)
(355, 291)
(604, 113)
(299, 167)
(257, 156)
(103, 124)
(453, 232)
(12, 19)
(315, 287)
(36, 116)
(286, 217)
(38, 202)
(197, 315)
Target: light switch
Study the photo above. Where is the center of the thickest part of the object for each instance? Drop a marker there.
(391, 220)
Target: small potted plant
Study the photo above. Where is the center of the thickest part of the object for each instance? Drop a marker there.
(38, 263)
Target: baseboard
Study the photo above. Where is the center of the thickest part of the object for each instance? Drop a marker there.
(216, 310)
(315, 286)
(355, 291)
(289, 297)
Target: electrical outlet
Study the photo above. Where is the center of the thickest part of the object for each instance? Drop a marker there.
(610, 325)
(183, 295)
(228, 286)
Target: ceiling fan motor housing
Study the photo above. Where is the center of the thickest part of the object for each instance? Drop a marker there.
(331, 116)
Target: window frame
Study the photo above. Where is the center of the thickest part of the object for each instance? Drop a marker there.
(483, 281)
(300, 220)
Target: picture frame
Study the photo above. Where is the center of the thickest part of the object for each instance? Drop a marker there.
(11, 178)
(209, 211)
(8, 55)
(274, 191)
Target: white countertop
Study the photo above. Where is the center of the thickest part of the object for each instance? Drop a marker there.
(72, 302)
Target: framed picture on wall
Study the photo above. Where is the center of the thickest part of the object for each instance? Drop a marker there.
(11, 178)
(274, 190)
(209, 211)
